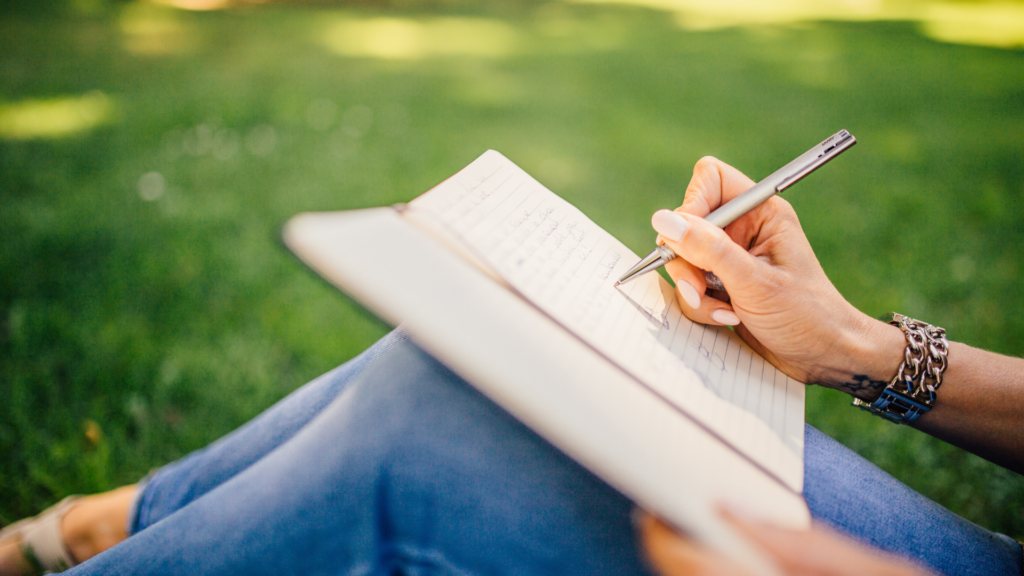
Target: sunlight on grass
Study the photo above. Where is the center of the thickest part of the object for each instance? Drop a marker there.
(199, 5)
(998, 24)
(554, 30)
(409, 39)
(54, 117)
(151, 29)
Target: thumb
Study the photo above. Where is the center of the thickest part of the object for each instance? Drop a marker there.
(706, 246)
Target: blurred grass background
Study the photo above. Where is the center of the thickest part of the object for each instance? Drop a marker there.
(149, 155)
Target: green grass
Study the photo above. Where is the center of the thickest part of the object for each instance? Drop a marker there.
(165, 323)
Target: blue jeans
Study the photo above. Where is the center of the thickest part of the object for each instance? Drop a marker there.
(393, 464)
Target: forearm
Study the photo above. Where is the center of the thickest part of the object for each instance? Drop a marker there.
(979, 406)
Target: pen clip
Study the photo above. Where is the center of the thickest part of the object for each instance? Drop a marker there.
(826, 151)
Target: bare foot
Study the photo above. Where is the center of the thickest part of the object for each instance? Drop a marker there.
(97, 522)
(92, 525)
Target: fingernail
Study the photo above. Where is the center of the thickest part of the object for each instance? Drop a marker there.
(669, 224)
(689, 294)
(725, 317)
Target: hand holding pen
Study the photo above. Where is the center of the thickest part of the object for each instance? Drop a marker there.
(717, 189)
(774, 184)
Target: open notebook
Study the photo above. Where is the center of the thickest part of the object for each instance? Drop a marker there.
(511, 287)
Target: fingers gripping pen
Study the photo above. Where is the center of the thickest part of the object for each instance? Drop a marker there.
(757, 194)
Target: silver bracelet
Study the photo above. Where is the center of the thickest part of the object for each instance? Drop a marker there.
(911, 392)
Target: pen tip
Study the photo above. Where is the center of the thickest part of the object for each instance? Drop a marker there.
(617, 282)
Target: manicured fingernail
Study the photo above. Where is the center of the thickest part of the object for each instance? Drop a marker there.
(689, 294)
(725, 317)
(669, 224)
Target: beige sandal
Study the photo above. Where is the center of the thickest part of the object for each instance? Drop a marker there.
(41, 542)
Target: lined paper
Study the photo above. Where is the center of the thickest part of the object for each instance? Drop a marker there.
(559, 260)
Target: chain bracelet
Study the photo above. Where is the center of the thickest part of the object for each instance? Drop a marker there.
(924, 359)
(912, 392)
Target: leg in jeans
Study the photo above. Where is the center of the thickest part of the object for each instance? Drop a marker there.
(179, 483)
(410, 469)
(858, 498)
(97, 522)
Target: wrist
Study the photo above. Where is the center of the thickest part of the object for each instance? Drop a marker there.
(871, 352)
(883, 349)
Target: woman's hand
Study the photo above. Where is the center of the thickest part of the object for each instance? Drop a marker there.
(778, 296)
(815, 552)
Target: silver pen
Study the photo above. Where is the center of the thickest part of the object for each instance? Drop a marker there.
(757, 194)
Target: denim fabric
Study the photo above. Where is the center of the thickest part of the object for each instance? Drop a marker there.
(392, 464)
(856, 497)
(174, 486)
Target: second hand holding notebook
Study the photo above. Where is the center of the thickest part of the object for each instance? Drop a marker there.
(512, 288)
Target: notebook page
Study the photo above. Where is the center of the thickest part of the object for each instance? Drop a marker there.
(558, 259)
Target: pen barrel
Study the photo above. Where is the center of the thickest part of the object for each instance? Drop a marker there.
(745, 202)
(781, 179)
